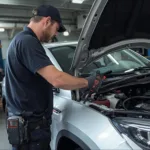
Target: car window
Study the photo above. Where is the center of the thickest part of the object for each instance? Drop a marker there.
(118, 62)
(64, 56)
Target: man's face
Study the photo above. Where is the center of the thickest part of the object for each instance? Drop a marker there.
(50, 31)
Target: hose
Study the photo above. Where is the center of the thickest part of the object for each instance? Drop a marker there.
(134, 97)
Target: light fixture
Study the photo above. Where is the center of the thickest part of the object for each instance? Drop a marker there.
(2, 29)
(66, 33)
(77, 1)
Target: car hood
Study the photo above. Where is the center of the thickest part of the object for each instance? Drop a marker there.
(113, 24)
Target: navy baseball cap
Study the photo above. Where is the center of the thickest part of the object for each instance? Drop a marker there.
(48, 10)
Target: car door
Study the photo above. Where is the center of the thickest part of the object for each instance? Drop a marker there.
(62, 98)
(58, 58)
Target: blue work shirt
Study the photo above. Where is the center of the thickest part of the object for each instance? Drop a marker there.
(25, 89)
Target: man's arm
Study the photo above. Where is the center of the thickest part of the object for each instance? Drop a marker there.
(34, 57)
(61, 79)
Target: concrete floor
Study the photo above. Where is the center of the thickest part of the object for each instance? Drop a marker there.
(4, 144)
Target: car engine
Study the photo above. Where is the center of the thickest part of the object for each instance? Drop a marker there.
(125, 97)
(131, 98)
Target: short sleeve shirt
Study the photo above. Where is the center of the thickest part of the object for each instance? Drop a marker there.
(26, 90)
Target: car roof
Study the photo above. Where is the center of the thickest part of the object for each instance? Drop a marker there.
(56, 44)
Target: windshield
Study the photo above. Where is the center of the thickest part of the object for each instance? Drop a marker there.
(118, 62)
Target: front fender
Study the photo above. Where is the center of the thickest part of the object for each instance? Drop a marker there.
(87, 126)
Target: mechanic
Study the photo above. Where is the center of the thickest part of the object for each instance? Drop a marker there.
(30, 76)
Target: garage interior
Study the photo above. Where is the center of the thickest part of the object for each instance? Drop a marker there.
(14, 15)
(111, 55)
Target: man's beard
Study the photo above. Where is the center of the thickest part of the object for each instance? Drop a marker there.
(47, 37)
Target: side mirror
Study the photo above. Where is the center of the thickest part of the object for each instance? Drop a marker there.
(56, 90)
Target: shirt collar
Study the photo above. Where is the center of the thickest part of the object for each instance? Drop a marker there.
(30, 31)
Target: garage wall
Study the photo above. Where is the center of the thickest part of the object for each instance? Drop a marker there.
(5, 43)
(72, 37)
(5, 40)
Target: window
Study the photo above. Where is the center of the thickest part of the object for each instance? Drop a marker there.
(64, 56)
(117, 61)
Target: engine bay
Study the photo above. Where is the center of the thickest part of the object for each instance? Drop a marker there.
(128, 98)
(125, 96)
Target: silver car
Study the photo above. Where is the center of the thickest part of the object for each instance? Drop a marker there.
(117, 114)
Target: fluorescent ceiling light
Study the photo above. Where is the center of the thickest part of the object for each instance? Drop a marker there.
(2, 29)
(66, 33)
(77, 1)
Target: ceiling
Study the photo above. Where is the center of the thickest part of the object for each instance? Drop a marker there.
(15, 14)
(19, 11)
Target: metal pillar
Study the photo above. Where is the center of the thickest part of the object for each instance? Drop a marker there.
(1, 58)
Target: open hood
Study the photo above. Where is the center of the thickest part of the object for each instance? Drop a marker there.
(113, 24)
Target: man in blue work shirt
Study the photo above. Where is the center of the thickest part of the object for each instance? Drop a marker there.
(30, 76)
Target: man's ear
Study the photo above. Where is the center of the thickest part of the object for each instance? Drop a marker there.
(48, 20)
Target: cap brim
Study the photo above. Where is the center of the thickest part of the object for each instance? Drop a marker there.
(62, 28)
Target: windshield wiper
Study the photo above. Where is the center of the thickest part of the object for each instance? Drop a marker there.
(123, 81)
(138, 69)
(130, 71)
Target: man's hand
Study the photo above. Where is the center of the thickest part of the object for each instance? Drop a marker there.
(93, 83)
(94, 80)
(90, 80)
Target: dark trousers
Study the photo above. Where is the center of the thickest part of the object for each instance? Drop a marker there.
(39, 137)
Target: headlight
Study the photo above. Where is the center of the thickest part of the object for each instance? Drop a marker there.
(137, 130)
